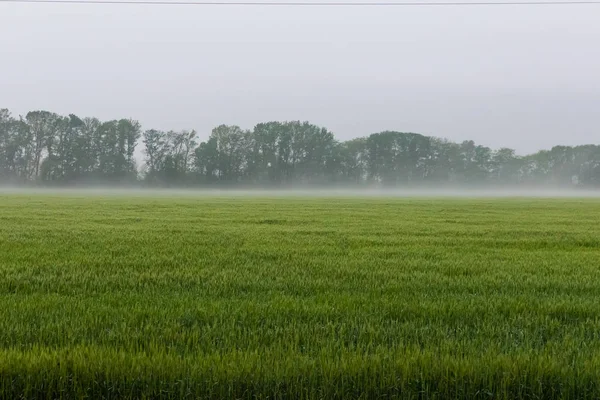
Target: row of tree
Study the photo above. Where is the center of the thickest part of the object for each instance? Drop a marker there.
(44, 147)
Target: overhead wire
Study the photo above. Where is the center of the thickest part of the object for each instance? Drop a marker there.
(314, 4)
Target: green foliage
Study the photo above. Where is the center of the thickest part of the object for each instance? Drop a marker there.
(337, 298)
(46, 148)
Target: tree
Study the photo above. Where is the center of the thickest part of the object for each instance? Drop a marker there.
(352, 156)
(476, 162)
(397, 157)
(43, 127)
(505, 166)
(206, 161)
(444, 162)
(169, 155)
(155, 149)
(46, 147)
(14, 139)
(116, 145)
(231, 146)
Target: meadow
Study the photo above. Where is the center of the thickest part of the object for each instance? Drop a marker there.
(298, 297)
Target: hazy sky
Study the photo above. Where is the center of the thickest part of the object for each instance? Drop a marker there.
(526, 77)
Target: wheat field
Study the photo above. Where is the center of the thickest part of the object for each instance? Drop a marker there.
(298, 297)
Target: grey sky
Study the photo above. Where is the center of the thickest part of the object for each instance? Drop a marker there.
(526, 77)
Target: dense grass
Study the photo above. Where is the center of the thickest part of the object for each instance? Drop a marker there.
(133, 297)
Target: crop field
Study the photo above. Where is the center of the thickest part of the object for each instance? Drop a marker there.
(298, 297)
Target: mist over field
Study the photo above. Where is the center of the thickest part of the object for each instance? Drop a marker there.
(467, 192)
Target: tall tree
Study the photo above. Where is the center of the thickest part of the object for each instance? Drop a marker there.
(397, 157)
(43, 126)
(14, 141)
(46, 147)
(117, 141)
(352, 156)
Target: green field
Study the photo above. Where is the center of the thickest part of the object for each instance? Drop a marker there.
(215, 297)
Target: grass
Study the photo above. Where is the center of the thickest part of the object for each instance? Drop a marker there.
(208, 297)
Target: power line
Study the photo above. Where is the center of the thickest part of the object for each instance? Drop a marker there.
(312, 4)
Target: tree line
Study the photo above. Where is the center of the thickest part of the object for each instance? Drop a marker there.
(47, 148)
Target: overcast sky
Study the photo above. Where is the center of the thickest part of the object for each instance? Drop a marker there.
(526, 77)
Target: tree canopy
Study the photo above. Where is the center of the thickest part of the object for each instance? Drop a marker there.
(44, 147)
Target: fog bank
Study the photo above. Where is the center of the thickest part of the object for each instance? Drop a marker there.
(456, 192)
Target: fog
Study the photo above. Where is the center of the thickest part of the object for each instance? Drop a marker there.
(455, 192)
